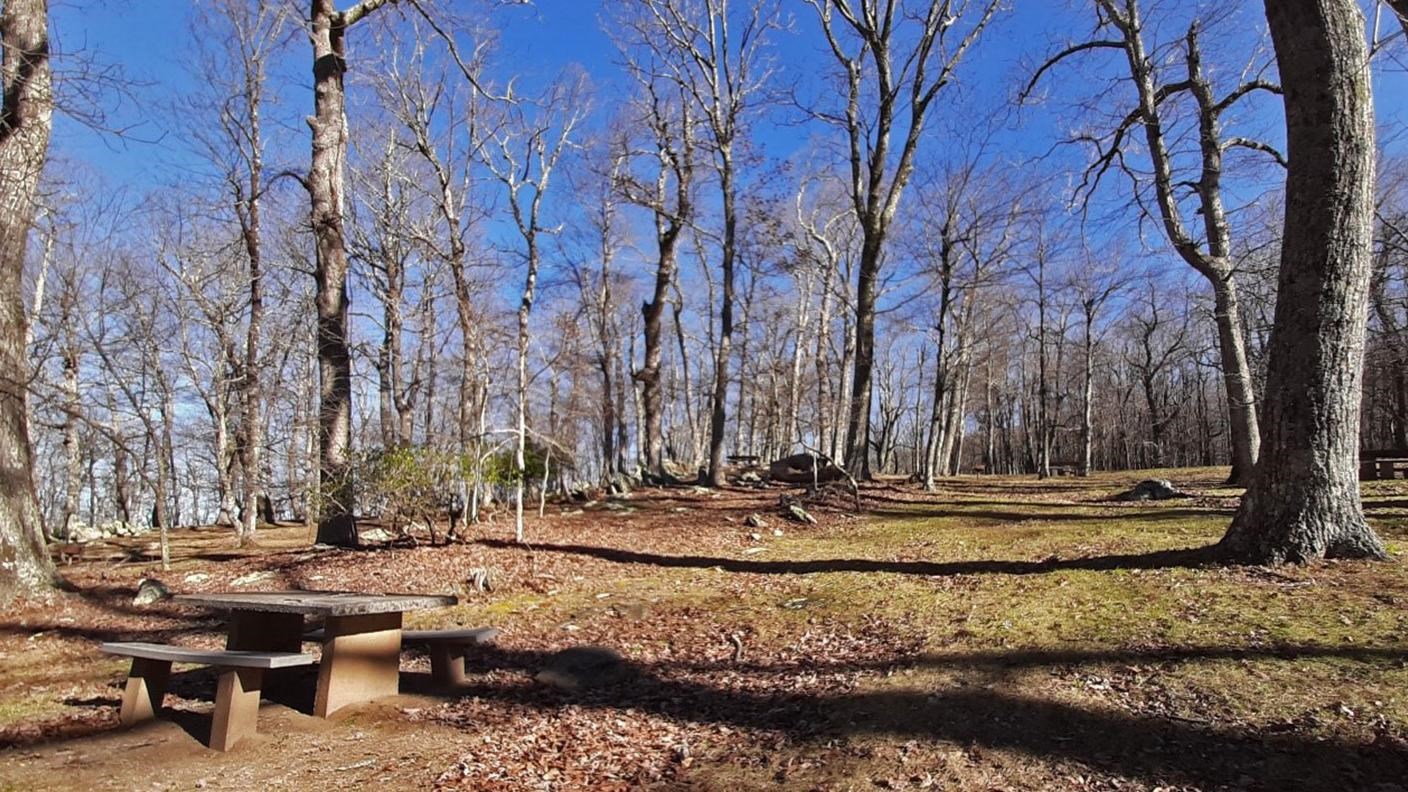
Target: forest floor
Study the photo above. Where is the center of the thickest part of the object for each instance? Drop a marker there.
(1002, 633)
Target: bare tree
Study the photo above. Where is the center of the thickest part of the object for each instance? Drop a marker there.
(596, 281)
(965, 233)
(522, 154)
(1304, 501)
(441, 128)
(383, 243)
(327, 31)
(827, 238)
(1094, 286)
(717, 56)
(1208, 251)
(666, 189)
(26, 119)
(909, 58)
(1159, 338)
(238, 74)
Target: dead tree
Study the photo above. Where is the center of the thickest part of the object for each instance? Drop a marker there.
(1304, 501)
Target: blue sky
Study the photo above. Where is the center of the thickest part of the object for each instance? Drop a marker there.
(150, 40)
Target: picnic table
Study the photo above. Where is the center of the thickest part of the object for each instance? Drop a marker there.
(1374, 466)
(361, 635)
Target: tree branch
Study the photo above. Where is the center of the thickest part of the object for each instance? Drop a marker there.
(1255, 145)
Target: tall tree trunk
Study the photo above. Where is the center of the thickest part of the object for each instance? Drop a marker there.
(718, 418)
(1304, 501)
(252, 393)
(224, 451)
(520, 466)
(1087, 393)
(823, 367)
(327, 32)
(858, 411)
(668, 227)
(652, 403)
(25, 124)
(390, 364)
(73, 454)
(1237, 379)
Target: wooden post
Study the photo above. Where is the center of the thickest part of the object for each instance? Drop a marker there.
(146, 687)
(361, 661)
(236, 707)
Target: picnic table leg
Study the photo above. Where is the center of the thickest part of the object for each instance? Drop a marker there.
(262, 631)
(146, 687)
(236, 707)
(447, 665)
(265, 632)
(361, 661)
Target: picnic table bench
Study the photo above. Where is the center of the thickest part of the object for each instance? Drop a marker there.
(236, 696)
(446, 648)
(1373, 468)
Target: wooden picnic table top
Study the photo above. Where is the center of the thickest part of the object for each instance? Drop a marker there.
(317, 603)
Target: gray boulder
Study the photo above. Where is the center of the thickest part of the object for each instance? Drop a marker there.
(804, 469)
(79, 531)
(150, 590)
(1152, 489)
(799, 514)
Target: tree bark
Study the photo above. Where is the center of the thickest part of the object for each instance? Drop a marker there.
(327, 32)
(718, 418)
(252, 392)
(25, 125)
(676, 162)
(1087, 390)
(1304, 502)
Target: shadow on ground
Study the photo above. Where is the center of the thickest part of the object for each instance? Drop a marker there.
(1161, 559)
(1157, 750)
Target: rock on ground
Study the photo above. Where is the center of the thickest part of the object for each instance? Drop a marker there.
(151, 590)
(804, 469)
(1151, 489)
(800, 515)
